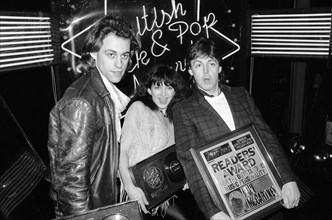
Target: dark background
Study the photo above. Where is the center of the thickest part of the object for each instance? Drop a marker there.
(30, 93)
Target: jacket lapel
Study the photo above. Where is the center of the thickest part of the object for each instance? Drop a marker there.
(98, 84)
(209, 112)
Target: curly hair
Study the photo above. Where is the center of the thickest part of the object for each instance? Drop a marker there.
(101, 29)
(161, 74)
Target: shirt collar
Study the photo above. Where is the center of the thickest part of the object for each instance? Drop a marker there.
(205, 93)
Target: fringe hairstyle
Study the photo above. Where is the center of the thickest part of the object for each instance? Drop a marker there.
(162, 74)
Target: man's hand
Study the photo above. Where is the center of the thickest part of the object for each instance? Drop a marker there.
(220, 216)
(185, 187)
(291, 195)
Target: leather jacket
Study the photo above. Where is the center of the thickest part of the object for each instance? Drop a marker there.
(83, 149)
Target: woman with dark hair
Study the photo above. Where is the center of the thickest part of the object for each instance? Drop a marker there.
(158, 77)
(84, 125)
(148, 126)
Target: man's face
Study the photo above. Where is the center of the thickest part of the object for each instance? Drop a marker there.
(113, 57)
(205, 71)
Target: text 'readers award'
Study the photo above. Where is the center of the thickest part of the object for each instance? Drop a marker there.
(240, 174)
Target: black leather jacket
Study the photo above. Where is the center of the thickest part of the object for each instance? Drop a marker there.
(83, 149)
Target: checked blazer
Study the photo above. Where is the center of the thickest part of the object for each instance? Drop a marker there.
(196, 123)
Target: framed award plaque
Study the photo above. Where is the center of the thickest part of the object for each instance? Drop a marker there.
(159, 176)
(239, 174)
(121, 211)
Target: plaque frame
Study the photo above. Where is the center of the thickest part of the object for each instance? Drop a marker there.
(164, 171)
(240, 174)
(124, 210)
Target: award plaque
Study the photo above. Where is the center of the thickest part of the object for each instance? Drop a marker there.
(121, 211)
(159, 176)
(239, 174)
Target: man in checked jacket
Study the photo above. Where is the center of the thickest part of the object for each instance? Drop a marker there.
(215, 109)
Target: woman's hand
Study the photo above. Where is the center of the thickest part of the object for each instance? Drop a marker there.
(136, 193)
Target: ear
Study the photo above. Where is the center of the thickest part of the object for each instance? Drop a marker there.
(149, 91)
(190, 72)
(93, 55)
(220, 68)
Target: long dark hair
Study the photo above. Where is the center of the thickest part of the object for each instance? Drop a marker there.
(161, 74)
(102, 28)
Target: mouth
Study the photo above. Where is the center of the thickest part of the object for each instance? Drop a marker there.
(117, 72)
(206, 80)
(163, 101)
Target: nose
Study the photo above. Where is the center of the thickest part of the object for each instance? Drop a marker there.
(205, 69)
(118, 62)
(163, 91)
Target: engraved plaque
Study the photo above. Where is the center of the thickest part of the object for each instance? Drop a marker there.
(160, 176)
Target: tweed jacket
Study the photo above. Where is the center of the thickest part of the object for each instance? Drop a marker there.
(83, 149)
(196, 123)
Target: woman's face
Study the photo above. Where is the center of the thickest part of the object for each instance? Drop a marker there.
(162, 95)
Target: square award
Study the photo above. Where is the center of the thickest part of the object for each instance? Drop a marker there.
(240, 174)
(159, 176)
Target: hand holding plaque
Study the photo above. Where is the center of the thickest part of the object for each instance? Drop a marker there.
(239, 174)
(159, 176)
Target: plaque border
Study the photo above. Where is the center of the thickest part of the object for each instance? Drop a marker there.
(212, 182)
(157, 159)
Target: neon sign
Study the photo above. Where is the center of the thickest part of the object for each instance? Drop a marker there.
(172, 22)
(156, 24)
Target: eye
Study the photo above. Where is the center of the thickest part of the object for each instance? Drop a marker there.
(112, 55)
(213, 63)
(125, 56)
(170, 88)
(197, 65)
